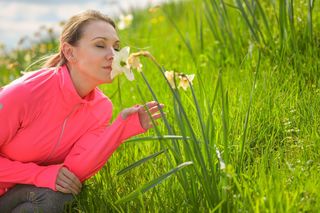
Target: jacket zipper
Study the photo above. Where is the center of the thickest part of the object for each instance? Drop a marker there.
(62, 132)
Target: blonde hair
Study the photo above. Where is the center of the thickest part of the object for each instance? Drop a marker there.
(72, 33)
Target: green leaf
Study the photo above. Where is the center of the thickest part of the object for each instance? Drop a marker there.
(153, 183)
(139, 162)
(163, 137)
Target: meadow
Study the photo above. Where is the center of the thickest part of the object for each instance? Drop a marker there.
(244, 137)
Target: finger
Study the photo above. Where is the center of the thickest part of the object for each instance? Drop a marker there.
(65, 182)
(156, 116)
(61, 189)
(66, 186)
(72, 177)
(66, 190)
(155, 109)
(71, 181)
(151, 104)
(128, 111)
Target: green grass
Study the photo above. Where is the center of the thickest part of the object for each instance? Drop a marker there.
(255, 100)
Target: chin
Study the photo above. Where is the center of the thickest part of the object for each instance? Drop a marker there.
(108, 81)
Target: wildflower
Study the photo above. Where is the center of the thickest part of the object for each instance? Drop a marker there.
(125, 21)
(120, 64)
(221, 161)
(134, 62)
(170, 75)
(142, 53)
(185, 80)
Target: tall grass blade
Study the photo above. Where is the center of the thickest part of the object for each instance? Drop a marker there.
(247, 114)
(119, 93)
(266, 22)
(161, 137)
(310, 28)
(139, 162)
(199, 157)
(211, 21)
(156, 99)
(246, 18)
(199, 114)
(163, 118)
(153, 183)
(283, 22)
(224, 118)
(256, 26)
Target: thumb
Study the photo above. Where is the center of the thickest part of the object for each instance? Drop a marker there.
(129, 111)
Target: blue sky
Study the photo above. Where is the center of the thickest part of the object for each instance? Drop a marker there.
(21, 18)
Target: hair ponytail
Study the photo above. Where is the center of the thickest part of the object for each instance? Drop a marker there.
(55, 60)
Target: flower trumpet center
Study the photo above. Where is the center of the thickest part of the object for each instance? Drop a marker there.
(123, 63)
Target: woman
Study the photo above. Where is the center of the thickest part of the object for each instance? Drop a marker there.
(54, 123)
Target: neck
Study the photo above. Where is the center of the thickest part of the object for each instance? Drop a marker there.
(82, 84)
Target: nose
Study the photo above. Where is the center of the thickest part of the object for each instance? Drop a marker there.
(110, 54)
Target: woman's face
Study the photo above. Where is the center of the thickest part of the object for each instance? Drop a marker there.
(94, 52)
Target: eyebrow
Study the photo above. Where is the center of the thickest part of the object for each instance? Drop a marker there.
(104, 38)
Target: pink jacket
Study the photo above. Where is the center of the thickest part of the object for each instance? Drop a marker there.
(45, 124)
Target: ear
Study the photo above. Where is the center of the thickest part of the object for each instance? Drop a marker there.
(68, 52)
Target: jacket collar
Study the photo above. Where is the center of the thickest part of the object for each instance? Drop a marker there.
(70, 95)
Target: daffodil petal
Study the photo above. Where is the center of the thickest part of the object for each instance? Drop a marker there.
(120, 58)
(129, 74)
(124, 52)
(190, 77)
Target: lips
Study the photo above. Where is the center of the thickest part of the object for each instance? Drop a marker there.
(107, 67)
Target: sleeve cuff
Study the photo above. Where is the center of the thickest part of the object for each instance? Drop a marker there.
(132, 125)
(47, 176)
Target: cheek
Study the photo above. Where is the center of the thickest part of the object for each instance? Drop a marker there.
(90, 58)
(91, 53)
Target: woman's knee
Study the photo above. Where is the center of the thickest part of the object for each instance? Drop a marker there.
(46, 200)
(51, 201)
(29, 198)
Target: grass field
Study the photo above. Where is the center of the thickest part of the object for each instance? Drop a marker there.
(248, 128)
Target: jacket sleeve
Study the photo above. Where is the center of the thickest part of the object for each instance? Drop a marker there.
(12, 110)
(91, 152)
(13, 107)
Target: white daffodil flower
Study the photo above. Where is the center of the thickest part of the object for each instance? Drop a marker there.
(170, 77)
(134, 62)
(120, 64)
(125, 21)
(184, 81)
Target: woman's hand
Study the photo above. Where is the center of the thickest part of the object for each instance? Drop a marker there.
(145, 119)
(67, 182)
